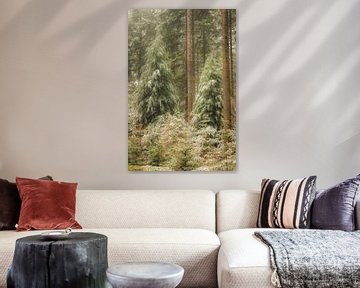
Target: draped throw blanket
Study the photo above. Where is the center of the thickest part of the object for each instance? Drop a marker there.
(313, 258)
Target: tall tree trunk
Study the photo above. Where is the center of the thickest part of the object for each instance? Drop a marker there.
(226, 68)
(190, 62)
(230, 61)
(196, 62)
(232, 78)
(204, 46)
(186, 67)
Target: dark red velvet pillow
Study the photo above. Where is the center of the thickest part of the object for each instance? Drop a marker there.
(10, 204)
(46, 204)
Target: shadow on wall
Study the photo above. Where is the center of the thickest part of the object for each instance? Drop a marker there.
(297, 47)
(89, 30)
(307, 51)
(46, 11)
(86, 32)
(297, 67)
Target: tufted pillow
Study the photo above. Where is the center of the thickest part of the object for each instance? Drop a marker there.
(46, 204)
(334, 208)
(286, 204)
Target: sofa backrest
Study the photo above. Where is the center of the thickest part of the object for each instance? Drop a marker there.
(236, 209)
(146, 209)
(239, 209)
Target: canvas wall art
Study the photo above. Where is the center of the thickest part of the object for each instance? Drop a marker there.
(181, 90)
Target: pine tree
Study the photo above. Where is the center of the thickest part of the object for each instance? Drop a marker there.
(175, 40)
(141, 30)
(155, 93)
(208, 105)
(226, 67)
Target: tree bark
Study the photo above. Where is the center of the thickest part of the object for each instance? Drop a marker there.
(204, 46)
(226, 68)
(232, 91)
(185, 62)
(79, 261)
(190, 62)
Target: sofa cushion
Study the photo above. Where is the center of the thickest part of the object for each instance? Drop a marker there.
(244, 261)
(194, 249)
(153, 209)
(236, 209)
(286, 204)
(334, 208)
(46, 204)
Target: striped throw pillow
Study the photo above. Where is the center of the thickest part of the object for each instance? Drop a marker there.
(286, 204)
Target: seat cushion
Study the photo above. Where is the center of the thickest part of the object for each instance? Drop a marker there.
(244, 261)
(196, 250)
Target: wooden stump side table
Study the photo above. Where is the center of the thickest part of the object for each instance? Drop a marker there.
(78, 261)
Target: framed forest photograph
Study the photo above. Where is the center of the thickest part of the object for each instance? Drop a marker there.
(182, 90)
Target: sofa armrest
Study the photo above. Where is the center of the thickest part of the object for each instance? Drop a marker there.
(357, 215)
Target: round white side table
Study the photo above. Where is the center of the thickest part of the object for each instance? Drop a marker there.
(145, 275)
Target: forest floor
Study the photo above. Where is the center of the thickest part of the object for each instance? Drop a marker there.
(148, 168)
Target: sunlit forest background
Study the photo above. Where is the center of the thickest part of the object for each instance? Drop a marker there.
(182, 90)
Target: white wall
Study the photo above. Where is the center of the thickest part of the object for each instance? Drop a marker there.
(63, 89)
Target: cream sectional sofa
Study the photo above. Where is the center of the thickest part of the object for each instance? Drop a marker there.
(175, 226)
(243, 261)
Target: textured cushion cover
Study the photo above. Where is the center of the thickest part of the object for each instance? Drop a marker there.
(46, 204)
(244, 261)
(194, 249)
(286, 204)
(334, 208)
(236, 209)
(153, 209)
(10, 204)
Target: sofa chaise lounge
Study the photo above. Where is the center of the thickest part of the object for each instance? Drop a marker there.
(243, 261)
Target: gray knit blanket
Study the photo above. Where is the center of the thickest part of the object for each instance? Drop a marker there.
(313, 258)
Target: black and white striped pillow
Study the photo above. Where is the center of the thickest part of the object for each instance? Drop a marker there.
(286, 204)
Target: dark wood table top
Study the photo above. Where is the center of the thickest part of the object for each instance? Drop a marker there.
(73, 237)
